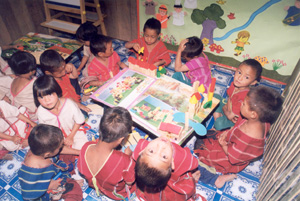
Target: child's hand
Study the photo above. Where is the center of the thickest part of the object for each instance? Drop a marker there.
(136, 47)
(54, 184)
(182, 45)
(85, 108)
(70, 69)
(33, 124)
(222, 139)
(25, 143)
(128, 151)
(16, 139)
(69, 141)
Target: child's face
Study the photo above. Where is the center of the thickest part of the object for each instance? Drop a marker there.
(245, 108)
(49, 101)
(159, 153)
(150, 36)
(60, 72)
(109, 50)
(244, 76)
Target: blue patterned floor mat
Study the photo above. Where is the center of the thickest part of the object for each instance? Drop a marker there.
(242, 188)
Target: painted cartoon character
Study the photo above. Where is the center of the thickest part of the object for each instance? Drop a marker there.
(241, 41)
(162, 16)
(150, 7)
(178, 14)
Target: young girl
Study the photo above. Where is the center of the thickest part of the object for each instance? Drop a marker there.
(234, 149)
(197, 66)
(57, 111)
(41, 165)
(106, 63)
(14, 127)
(23, 65)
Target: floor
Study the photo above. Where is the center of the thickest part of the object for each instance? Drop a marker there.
(242, 188)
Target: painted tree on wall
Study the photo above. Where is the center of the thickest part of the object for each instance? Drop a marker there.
(210, 18)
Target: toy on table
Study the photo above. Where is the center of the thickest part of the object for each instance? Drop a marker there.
(196, 99)
(161, 71)
(142, 67)
(208, 104)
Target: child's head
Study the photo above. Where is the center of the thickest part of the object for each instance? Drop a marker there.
(115, 124)
(45, 140)
(262, 102)
(193, 48)
(248, 73)
(154, 165)
(151, 30)
(85, 32)
(46, 91)
(101, 46)
(52, 63)
(22, 63)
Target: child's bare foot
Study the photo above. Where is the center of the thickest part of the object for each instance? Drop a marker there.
(196, 175)
(222, 179)
(80, 182)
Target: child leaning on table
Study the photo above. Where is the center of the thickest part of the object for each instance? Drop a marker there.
(107, 170)
(52, 63)
(197, 65)
(23, 64)
(84, 34)
(228, 113)
(155, 51)
(106, 63)
(41, 165)
(232, 150)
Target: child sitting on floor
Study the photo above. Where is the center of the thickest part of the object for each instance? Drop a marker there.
(41, 165)
(228, 113)
(106, 63)
(23, 65)
(55, 110)
(106, 169)
(197, 66)
(154, 51)
(66, 75)
(84, 34)
(234, 149)
(14, 127)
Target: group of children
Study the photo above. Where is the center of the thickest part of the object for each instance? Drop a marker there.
(155, 170)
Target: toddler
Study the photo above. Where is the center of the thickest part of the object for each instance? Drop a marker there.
(228, 113)
(234, 149)
(55, 110)
(106, 169)
(23, 64)
(66, 75)
(14, 127)
(41, 165)
(84, 34)
(106, 63)
(155, 51)
(197, 66)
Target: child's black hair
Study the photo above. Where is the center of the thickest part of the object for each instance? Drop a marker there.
(266, 102)
(150, 177)
(86, 31)
(51, 60)
(154, 24)
(22, 63)
(255, 65)
(193, 48)
(115, 124)
(44, 138)
(98, 44)
(45, 85)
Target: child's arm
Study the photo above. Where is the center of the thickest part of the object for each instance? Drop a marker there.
(15, 139)
(227, 109)
(178, 64)
(54, 184)
(70, 139)
(160, 62)
(122, 65)
(134, 46)
(71, 70)
(70, 151)
(27, 120)
(83, 62)
(83, 107)
(223, 142)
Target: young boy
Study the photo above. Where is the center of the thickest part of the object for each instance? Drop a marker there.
(107, 170)
(234, 149)
(41, 166)
(155, 52)
(66, 75)
(106, 63)
(227, 114)
(84, 34)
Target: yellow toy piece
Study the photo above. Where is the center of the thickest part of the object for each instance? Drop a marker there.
(88, 90)
(193, 100)
(141, 51)
(201, 89)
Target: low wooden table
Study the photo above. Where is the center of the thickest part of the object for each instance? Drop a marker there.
(36, 44)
